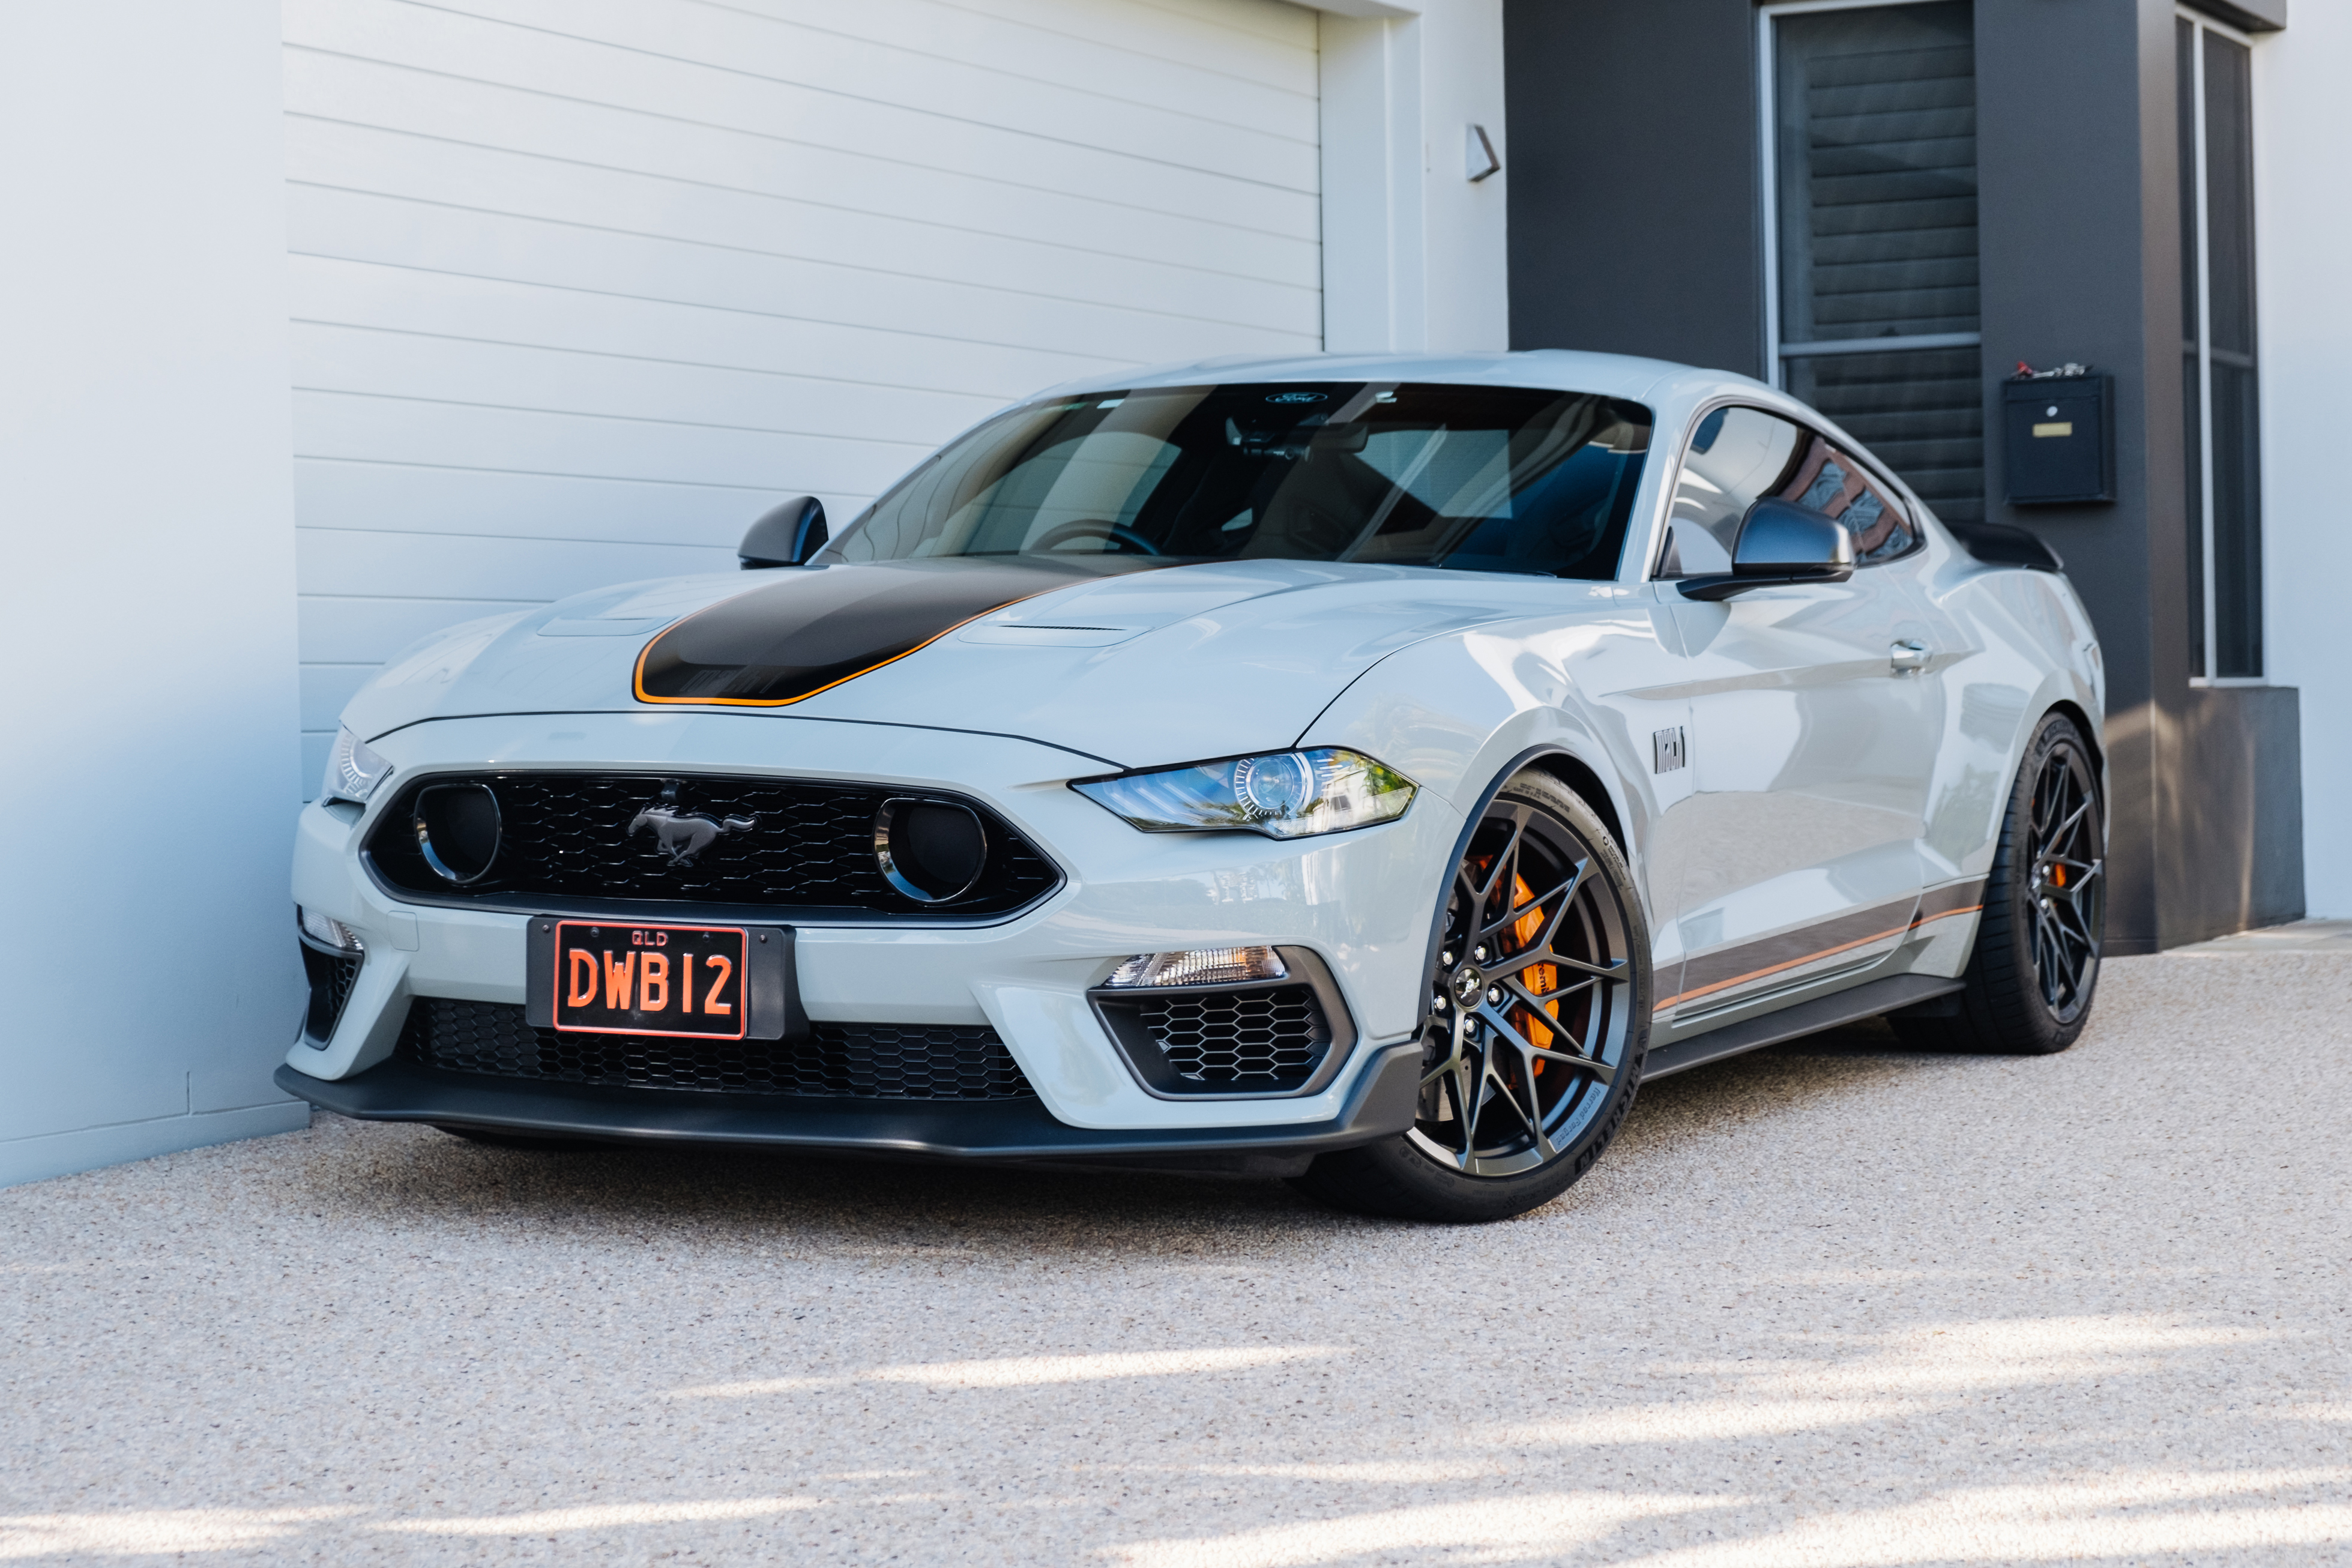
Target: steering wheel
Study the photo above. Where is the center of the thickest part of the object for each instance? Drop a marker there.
(1100, 528)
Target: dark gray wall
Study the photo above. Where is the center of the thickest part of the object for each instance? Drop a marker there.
(2079, 251)
(1633, 199)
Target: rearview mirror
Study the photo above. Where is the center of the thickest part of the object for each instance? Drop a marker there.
(1780, 544)
(786, 535)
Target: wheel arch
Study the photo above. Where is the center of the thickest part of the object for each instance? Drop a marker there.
(1579, 777)
(2089, 731)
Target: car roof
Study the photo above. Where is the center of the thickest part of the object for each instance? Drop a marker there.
(1564, 369)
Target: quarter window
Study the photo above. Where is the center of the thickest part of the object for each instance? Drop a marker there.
(1738, 456)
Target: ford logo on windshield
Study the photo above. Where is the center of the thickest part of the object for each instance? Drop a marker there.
(1299, 397)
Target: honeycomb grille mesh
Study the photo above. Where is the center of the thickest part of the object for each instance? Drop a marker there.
(331, 977)
(1238, 1040)
(854, 1061)
(808, 847)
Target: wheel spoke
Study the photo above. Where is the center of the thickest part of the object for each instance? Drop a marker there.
(1502, 1025)
(1549, 999)
(2074, 818)
(1504, 968)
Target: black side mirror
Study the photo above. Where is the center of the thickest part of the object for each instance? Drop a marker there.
(786, 535)
(1780, 544)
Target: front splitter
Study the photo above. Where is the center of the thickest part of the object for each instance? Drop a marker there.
(1381, 1106)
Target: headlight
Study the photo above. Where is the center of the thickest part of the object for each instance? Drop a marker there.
(353, 770)
(1283, 795)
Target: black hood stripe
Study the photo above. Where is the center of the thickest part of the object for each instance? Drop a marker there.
(809, 629)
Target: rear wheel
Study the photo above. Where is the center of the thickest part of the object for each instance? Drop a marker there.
(2035, 967)
(1539, 1007)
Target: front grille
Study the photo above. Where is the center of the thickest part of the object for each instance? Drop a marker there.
(853, 1061)
(331, 977)
(1237, 1041)
(566, 840)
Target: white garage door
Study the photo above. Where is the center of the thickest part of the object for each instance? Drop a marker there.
(582, 285)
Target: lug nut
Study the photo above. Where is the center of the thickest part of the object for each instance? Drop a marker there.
(1445, 961)
(1494, 993)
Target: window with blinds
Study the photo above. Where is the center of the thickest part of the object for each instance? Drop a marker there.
(2223, 433)
(1874, 184)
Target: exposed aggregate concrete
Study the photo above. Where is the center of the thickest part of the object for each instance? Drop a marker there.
(1833, 1303)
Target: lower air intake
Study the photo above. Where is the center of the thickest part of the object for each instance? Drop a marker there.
(1239, 1040)
(331, 977)
(842, 1061)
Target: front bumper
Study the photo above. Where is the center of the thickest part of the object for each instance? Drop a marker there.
(1379, 1106)
(1361, 901)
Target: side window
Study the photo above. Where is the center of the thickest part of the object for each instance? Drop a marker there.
(1830, 481)
(1739, 456)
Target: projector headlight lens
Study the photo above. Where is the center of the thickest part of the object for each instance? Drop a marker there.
(353, 770)
(1282, 795)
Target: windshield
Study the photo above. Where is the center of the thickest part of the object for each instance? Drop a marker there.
(1482, 479)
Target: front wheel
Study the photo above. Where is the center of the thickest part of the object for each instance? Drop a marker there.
(2029, 979)
(1539, 1011)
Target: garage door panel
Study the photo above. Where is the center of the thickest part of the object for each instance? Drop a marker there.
(831, 181)
(946, 61)
(674, 211)
(526, 250)
(1182, 67)
(435, 46)
(345, 561)
(375, 295)
(404, 365)
(439, 504)
(1212, 38)
(929, 98)
(521, 440)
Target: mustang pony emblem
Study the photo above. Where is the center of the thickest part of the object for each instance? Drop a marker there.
(683, 835)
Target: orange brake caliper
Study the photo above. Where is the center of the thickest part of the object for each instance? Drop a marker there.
(1541, 978)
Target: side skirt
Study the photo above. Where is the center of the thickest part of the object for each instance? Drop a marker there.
(1789, 1023)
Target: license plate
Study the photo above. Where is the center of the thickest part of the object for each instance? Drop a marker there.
(649, 980)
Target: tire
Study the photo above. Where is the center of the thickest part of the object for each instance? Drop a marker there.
(2035, 967)
(1564, 1032)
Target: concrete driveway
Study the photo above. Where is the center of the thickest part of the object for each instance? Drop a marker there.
(1832, 1304)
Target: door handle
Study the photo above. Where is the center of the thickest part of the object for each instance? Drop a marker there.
(1907, 657)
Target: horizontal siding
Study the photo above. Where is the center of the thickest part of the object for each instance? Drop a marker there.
(582, 285)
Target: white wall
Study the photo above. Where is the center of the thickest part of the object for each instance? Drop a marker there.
(582, 286)
(2304, 207)
(1413, 252)
(146, 944)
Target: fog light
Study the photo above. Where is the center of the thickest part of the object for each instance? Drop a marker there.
(458, 831)
(1200, 967)
(332, 933)
(930, 850)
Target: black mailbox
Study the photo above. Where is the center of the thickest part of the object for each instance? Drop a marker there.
(2058, 439)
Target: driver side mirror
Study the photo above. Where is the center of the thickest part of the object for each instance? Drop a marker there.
(1780, 544)
(786, 535)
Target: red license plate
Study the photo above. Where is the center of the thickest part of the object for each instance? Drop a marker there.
(649, 980)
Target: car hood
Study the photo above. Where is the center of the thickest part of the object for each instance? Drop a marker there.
(1129, 665)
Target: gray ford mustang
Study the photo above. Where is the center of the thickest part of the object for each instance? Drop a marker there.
(1366, 771)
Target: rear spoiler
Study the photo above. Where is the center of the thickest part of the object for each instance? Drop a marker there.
(1999, 544)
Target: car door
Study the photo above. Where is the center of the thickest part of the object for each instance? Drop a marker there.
(1813, 723)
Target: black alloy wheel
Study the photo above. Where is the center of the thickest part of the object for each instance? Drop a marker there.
(1538, 1016)
(2035, 968)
